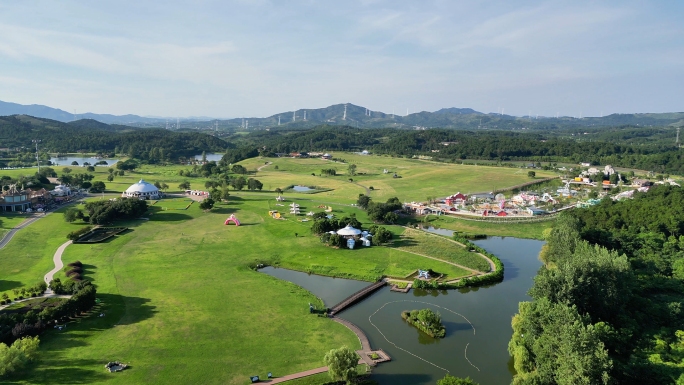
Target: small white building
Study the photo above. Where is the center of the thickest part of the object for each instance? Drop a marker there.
(142, 190)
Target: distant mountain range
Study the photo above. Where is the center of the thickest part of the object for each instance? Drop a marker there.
(358, 116)
(40, 111)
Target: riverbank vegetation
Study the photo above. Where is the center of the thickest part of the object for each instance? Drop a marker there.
(426, 320)
(607, 306)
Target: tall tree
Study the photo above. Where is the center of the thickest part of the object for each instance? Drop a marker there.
(341, 364)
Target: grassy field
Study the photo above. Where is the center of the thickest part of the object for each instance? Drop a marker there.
(531, 230)
(181, 304)
(10, 221)
(420, 242)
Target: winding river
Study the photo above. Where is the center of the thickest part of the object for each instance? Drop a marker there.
(478, 321)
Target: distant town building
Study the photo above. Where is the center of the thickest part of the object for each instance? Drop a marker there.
(15, 200)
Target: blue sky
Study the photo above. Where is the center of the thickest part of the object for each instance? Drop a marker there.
(257, 58)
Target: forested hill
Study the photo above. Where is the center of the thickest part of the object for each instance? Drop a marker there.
(608, 306)
(453, 145)
(92, 136)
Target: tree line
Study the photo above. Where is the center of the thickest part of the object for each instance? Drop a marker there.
(607, 304)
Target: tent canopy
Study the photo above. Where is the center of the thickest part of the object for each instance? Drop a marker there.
(348, 230)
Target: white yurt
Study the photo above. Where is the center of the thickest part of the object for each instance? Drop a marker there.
(142, 190)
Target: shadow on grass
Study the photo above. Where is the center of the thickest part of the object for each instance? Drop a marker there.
(9, 285)
(60, 371)
(169, 217)
(401, 242)
(224, 210)
(131, 310)
(88, 270)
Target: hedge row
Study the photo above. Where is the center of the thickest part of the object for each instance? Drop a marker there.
(74, 235)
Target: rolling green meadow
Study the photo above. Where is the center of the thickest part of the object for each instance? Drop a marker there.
(180, 299)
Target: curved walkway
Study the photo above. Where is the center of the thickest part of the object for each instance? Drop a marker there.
(57, 260)
(365, 344)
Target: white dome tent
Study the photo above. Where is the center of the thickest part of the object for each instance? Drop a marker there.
(348, 231)
(142, 190)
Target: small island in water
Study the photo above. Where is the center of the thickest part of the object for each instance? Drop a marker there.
(425, 320)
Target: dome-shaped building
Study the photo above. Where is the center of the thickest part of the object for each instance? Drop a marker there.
(142, 190)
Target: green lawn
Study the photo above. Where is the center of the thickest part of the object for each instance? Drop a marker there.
(172, 204)
(181, 304)
(10, 221)
(531, 230)
(418, 241)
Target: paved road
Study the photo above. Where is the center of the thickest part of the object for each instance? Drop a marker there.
(34, 217)
(8, 237)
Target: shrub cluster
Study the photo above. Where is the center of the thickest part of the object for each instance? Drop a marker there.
(324, 225)
(17, 325)
(74, 235)
(426, 320)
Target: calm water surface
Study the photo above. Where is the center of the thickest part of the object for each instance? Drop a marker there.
(489, 309)
(210, 157)
(66, 161)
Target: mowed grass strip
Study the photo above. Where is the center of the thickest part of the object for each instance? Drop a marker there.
(530, 230)
(435, 246)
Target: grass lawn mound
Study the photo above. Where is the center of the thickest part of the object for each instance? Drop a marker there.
(426, 320)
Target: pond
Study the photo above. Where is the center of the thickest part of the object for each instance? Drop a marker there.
(483, 356)
(434, 230)
(302, 188)
(210, 157)
(67, 160)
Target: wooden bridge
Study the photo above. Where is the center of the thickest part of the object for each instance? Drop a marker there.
(352, 299)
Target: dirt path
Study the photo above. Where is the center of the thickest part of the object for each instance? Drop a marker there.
(267, 164)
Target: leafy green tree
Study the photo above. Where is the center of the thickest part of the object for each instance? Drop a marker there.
(225, 194)
(341, 364)
(207, 204)
(351, 169)
(531, 174)
(18, 355)
(451, 380)
(215, 195)
(363, 201)
(157, 185)
(185, 185)
(254, 184)
(164, 186)
(238, 183)
(554, 344)
(595, 280)
(72, 214)
(74, 163)
(98, 187)
(278, 190)
(66, 170)
(239, 169)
